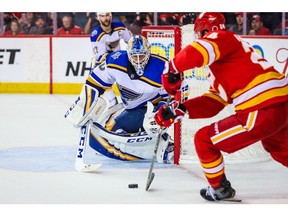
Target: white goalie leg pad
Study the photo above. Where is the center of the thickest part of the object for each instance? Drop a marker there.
(126, 146)
(165, 152)
(78, 113)
(89, 106)
(111, 107)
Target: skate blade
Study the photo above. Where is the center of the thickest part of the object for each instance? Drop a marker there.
(232, 200)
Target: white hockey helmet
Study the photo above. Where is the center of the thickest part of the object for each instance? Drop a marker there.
(138, 50)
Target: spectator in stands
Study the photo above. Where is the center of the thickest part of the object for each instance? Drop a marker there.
(80, 19)
(278, 29)
(173, 19)
(188, 18)
(27, 21)
(141, 20)
(40, 28)
(252, 32)
(8, 17)
(49, 19)
(125, 21)
(92, 22)
(15, 28)
(60, 15)
(257, 25)
(17, 15)
(162, 19)
(271, 19)
(68, 27)
(169, 19)
(238, 26)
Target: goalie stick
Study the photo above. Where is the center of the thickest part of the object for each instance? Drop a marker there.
(80, 165)
(151, 175)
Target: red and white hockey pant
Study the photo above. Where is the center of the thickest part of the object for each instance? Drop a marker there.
(270, 126)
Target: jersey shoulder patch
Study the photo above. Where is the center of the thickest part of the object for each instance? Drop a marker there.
(96, 33)
(117, 60)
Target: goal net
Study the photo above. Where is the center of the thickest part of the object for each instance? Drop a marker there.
(168, 41)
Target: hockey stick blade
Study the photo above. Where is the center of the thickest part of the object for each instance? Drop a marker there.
(149, 181)
(87, 167)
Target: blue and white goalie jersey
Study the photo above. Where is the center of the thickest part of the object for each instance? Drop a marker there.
(135, 90)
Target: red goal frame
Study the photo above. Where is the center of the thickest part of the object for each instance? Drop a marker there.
(177, 47)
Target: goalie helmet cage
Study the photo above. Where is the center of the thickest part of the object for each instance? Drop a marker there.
(167, 41)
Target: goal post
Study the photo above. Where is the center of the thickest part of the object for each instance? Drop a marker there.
(167, 41)
(164, 41)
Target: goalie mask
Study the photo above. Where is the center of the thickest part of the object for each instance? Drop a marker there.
(138, 50)
(105, 18)
(209, 21)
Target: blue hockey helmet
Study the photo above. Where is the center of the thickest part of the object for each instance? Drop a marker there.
(139, 50)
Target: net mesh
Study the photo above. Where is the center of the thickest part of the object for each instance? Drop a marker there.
(195, 83)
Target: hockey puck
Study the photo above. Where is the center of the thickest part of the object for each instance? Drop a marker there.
(133, 186)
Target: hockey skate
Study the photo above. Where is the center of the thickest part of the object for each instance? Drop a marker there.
(224, 192)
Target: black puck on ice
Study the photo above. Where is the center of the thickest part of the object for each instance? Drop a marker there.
(133, 186)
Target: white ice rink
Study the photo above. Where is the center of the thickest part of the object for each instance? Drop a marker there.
(37, 151)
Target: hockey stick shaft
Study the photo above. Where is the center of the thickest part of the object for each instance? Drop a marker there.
(82, 142)
(84, 139)
(80, 165)
(151, 174)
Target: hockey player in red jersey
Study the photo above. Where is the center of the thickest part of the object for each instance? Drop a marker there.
(238, 76)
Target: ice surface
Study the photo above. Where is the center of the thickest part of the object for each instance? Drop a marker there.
(37, 152)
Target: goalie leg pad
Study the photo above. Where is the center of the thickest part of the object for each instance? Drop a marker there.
(137, 146)
(78, 113)
(108, 105)
(89, 106)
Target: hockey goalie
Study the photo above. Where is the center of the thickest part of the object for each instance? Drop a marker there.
(114, 126)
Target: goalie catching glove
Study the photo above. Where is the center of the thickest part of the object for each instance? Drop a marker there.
(167, 115)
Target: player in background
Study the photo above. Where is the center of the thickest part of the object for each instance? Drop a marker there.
(239, 76)
(106, 37)
(137, 74)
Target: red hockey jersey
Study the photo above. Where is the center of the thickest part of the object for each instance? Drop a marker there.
(238, 75)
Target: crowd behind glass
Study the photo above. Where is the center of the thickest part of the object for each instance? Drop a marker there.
(36, 23)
